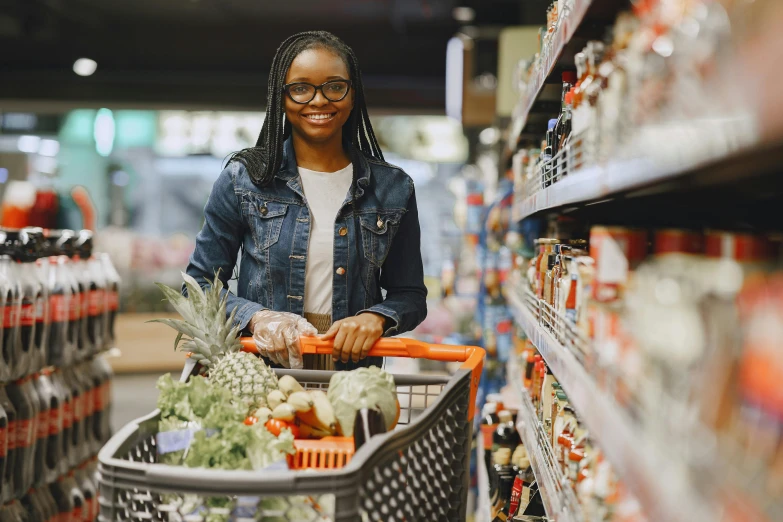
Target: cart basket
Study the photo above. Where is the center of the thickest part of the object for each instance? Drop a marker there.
(418, 472)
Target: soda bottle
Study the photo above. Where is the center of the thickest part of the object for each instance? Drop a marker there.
(21, 249)
(41, 432)
(81, 372)
(26, 407)
(87, 332)
(77, 448)
(33, 253)
(63, 390)
(96, 312)
(61, 492)
(112, 300)
(60, 292)
(12, 302)
(50, 424)
(87, 487)
(77, 515)
(103, 372)
(10, 456)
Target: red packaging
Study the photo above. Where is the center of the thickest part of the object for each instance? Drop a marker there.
(676, 241)
(745, 248)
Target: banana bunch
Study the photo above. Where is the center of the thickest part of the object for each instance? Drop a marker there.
(310, 410)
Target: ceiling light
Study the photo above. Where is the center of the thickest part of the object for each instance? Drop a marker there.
(84, 66)
(28, 144)
(463, 14)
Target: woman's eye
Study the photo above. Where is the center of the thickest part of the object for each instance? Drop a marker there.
(335, 87)
(299, 89)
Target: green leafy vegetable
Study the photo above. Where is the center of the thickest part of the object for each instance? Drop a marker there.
(370, 388)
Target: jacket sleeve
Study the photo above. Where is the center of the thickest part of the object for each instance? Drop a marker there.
(402, 276)
(218, 243)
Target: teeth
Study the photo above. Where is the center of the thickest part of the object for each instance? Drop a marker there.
(319, 116)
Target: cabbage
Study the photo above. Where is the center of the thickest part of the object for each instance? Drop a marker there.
(370, 388)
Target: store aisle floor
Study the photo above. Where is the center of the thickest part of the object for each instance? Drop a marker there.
(133, 395)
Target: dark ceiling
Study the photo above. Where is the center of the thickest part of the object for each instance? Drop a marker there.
(216, 53)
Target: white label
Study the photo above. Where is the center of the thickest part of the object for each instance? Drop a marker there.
(612, 264)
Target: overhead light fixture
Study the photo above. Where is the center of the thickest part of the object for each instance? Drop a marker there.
(85, 66)
(28, 144)
(464, 14)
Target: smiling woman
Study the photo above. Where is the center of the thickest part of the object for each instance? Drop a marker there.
(323, 223)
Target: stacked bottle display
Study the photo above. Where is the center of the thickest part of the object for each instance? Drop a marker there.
(59, 302)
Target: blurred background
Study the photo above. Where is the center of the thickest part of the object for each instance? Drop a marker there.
(527, 126)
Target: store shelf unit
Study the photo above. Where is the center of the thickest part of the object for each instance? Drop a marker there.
(660, 481)
(569, 22)
(559, 500)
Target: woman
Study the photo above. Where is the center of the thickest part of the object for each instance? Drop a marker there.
(323, 223)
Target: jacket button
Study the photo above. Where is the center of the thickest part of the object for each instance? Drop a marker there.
(343, 231)
(380, 223)
(264, 210)
(341, 271)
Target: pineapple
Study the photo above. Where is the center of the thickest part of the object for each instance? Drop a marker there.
(212, 341)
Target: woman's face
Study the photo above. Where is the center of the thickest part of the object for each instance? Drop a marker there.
(316, 66)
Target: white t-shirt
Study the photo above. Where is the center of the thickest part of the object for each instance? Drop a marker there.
(325, 193)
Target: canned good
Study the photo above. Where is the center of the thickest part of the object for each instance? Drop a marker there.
(617, 251)
(745, 248)
(677, 241)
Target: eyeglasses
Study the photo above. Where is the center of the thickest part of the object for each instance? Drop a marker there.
(333, 90)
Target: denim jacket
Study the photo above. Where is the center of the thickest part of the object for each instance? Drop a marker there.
(271, 225)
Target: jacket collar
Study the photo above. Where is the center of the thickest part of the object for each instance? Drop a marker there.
(290, 174)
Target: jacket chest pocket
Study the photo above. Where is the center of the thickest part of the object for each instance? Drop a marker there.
(265, 219)
(377, 234)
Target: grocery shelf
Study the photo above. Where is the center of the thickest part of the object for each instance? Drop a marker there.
(660, 481)
(569, 22)
(559, 500)
(733, 166)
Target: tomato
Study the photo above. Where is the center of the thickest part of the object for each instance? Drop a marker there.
(250, 420)
(275, 426)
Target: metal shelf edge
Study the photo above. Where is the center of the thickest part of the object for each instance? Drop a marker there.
(659, 484)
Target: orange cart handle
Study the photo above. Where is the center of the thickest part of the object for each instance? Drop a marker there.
(396, 347)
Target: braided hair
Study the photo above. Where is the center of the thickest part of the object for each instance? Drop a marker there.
(264, 160)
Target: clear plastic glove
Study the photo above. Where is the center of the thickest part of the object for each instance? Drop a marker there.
(277, 336)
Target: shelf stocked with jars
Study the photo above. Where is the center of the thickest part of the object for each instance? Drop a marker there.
(670, 359)
(661, 99)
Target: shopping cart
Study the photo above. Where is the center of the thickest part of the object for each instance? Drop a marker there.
(418, 472)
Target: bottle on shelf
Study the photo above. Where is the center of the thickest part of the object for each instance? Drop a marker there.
(547, 153)
(51, 397)
(9, 462)
(22, 395)
(568, 77)
(500, 495)
(112, 304)
(489, 423)
(506, 435)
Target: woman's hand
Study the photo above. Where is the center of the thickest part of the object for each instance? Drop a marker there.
(277, 336)
(354, 336)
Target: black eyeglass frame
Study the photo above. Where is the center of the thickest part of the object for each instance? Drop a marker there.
(317, 88)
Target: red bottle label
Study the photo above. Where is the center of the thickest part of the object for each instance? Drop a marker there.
(89, 402)
(97, 398)
(4, 441)
(78, 408)
(58, 308)
(95, 302)
(75, 304)
(67, 414)
(106, 395)
(24, 433)
(84, 297)
(11, 435)
(42, 425)
(516, 495)
(55, 420)
(27, 314)
(487, 430)
(76, 514)
(113, 299)
(10, 315)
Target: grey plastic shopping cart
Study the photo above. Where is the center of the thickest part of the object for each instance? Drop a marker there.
(418, 472)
